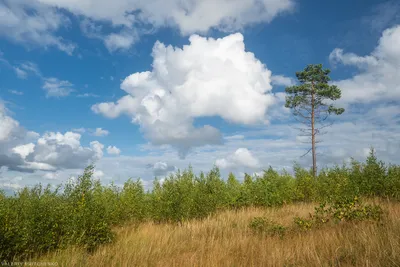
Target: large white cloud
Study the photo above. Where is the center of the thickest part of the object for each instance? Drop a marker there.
(208, 77)
(379, 78)
(127, 16)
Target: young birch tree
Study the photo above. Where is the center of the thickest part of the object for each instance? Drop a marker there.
(312, 102)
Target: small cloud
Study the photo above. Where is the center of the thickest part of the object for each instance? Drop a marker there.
(24, 150)
(31, 67)
(120, 41)
(111, 78)
(15, 92)
(39, 166)
(113, 150)
(32, 135)
(241, 158)
(281, 80)
(161, 168)
(51, 175)
(57, 88)
(85, 95)
(14, 186)
(100, 132)
(97, 174)
(234, 137)
(20, 73)
(79, 130)
(25, 68)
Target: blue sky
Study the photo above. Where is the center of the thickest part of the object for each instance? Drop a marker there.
(143, 88)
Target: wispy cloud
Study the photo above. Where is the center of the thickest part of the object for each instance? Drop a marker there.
(15, 92)
(86, 95)
(57, 88)
(33, 24)
(53, 87)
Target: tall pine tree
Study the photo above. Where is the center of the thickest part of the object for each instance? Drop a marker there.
(311, 103)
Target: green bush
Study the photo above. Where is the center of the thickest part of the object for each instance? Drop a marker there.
(262, 225)
(338, 211)
(38, 220)
(351, 210)
(273, 189)
(304, 224)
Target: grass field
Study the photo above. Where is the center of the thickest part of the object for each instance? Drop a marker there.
(226, 239)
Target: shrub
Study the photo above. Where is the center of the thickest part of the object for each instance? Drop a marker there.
(262, 225)
(306, 185)
(273, 189)
(303, 223)
(233, 191)
(351, 210)
(344, 210)
(37, 220)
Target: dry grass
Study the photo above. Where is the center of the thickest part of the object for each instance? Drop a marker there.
(226, 240)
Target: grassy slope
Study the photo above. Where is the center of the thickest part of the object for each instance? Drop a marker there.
(226, 240)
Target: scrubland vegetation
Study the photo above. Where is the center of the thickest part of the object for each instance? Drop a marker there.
(236, 238)
(346, 216)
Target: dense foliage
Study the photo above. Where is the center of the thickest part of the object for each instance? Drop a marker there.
(37, 220)
(340, 210)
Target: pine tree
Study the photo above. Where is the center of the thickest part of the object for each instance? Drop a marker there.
(310, 103)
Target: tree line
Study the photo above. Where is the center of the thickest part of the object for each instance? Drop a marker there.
(37, 220)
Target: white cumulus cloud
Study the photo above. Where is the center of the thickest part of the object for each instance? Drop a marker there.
(241, 158)
(113, 150)
(62, 151)
(378, 79)
(208, 77)
(282, 80)
(24, 150)
(120, 41)
(100, 132)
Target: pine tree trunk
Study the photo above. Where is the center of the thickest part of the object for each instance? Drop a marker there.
(314, 157)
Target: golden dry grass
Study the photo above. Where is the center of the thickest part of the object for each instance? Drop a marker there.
(226, 240)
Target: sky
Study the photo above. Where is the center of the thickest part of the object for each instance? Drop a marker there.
(144, 88)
